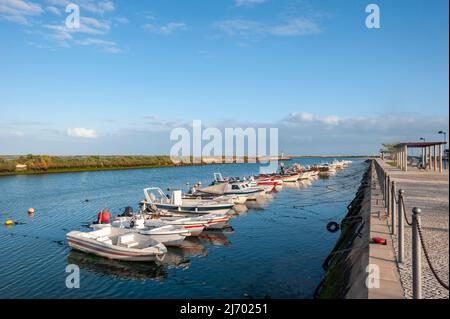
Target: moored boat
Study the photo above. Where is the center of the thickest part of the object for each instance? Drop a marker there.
(178, 204)
(116, 243)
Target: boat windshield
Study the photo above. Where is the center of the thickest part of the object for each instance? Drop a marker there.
(155, 195)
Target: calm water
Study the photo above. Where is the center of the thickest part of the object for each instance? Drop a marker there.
(275, 249)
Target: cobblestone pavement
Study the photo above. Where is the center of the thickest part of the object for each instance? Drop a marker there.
(429, 191)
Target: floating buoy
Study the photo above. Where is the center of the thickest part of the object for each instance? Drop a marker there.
(379, 241)
(31, 210)
(9, 222)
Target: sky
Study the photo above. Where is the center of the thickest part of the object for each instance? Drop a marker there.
(135, 70)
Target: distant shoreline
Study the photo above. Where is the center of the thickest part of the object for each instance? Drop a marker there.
(79, 169)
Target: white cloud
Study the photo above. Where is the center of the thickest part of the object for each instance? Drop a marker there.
(122, 20)
(109, 46)
(54, 10)
(65, 37)
(167, 29)
(302, 117)
(81, 132)
(240, 27)
(241, 3)
(19, 11)
(296, 27)
(254, 30)
(92, 6)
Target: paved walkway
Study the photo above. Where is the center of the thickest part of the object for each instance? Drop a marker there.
(428, 190)
(383, 256)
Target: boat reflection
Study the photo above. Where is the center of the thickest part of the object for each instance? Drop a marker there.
(215, 238)
(293, 185)
(305, 183)
(117, 269)
(239, 209)
(260, 202)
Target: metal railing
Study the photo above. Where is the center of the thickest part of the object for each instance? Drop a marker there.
(395, 206)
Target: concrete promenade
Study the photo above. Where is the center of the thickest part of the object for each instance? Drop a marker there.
(428, 190)
(383, 256)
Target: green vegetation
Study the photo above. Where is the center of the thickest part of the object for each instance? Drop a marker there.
(36, 164)
(7, 166)
(388, 147)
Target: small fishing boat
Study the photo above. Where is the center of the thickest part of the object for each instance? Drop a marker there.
(195, 225)
(214, 192)
(286, 178)
(326, 170)
(208, 221)
(178, 204)
(234, 186)
(169, 235)
(117, 243)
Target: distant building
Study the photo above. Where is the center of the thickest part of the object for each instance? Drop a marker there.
(21, 167)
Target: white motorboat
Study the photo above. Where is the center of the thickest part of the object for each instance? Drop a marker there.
(238, 188)
(178, 204)
(214, 192)
(169, 235)
(193, 224)
(117, 243)
(326, 170)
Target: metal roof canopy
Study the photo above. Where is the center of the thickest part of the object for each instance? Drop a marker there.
(419, 144)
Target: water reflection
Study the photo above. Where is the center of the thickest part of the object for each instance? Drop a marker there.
(215, 238)
(117, 269)
(176, 257)
(295, 185)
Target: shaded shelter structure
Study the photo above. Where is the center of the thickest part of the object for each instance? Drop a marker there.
(432, 155)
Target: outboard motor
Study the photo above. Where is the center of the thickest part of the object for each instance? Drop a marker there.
(128, 212)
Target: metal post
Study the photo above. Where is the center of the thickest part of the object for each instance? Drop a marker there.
(388, 195)
(416, 254)
(392, 199)
(392, 207)
(401, 233)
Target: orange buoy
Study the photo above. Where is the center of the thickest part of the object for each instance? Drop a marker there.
(31, 210)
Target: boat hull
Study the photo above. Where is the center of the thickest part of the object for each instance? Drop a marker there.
(199, 210)
(102, 251)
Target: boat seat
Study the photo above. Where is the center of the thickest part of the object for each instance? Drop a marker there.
(127, 241)
(105, 240)
(131, 244)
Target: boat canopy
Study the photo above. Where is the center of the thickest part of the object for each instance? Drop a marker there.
(217, 189)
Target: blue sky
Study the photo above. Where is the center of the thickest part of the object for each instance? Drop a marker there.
(136, 69)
